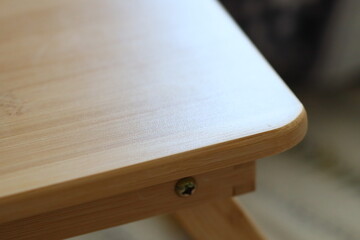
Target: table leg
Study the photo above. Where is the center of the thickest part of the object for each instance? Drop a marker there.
(218, 220)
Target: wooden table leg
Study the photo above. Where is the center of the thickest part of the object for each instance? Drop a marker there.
(218, 220)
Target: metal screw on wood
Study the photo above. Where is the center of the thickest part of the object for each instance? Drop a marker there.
(185, 187)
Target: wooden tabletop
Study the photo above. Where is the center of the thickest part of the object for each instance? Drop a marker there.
(103, 97)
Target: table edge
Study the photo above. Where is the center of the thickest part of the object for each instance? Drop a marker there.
(107, 184)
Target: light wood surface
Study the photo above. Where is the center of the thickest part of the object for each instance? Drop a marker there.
(131, 206)
(218, 220)
(99, 98)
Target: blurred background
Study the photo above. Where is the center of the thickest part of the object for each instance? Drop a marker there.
(312, 191)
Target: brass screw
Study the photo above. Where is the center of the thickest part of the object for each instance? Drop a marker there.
(185, 187)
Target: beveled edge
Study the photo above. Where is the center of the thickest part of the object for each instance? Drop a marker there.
(90, 188)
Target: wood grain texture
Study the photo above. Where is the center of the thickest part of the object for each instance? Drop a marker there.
(127, 207)
(218, 220)
(99, 98)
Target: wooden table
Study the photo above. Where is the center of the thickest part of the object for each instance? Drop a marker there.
(105, 105)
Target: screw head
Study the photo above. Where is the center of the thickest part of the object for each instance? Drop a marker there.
(185, 187)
